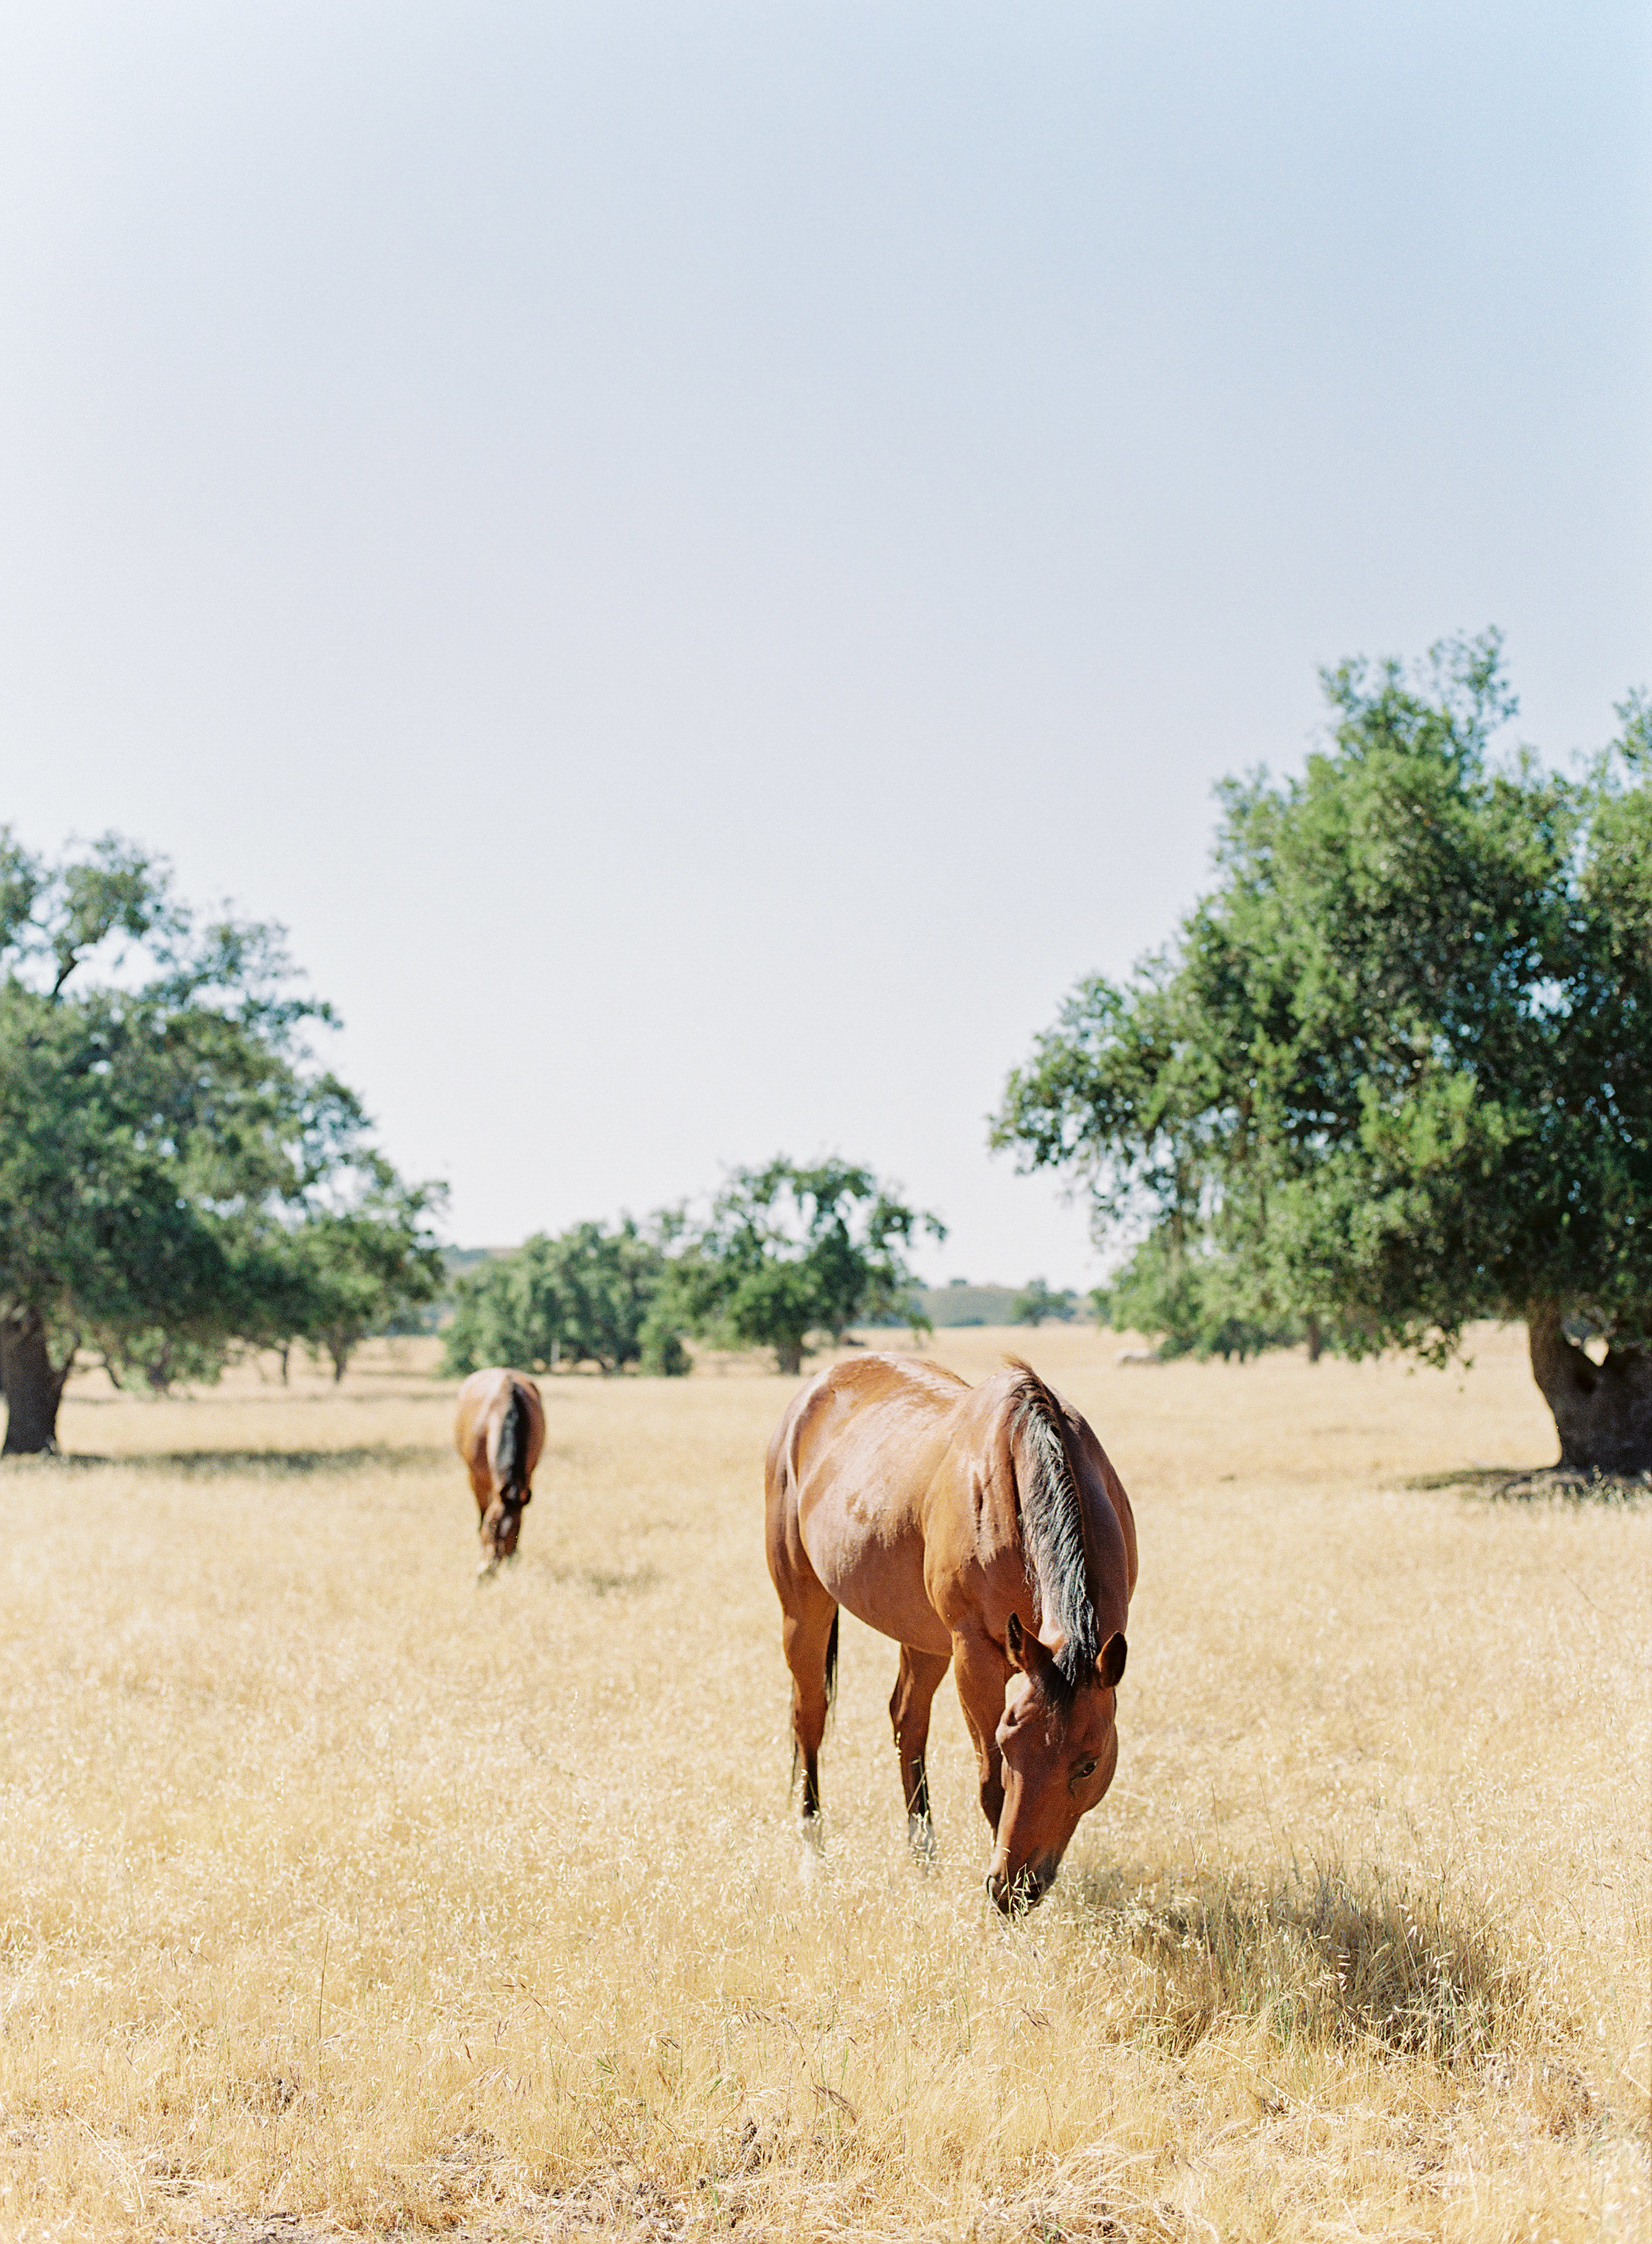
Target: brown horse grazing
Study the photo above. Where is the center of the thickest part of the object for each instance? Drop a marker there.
(941, 1514)
(500, 1432)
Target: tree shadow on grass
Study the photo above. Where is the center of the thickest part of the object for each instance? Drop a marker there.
(1325, 1956)
(261, 1464)
(1528, 1483)
(416, 1388)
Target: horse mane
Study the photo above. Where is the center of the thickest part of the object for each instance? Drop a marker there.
(1052, 1526)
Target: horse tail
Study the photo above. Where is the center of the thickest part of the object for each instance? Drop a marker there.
(511, 1451)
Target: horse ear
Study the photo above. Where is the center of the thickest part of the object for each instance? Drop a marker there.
(1025, 1650)
(1110, 1666)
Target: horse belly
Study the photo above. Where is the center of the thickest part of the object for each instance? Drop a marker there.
(874, 1567)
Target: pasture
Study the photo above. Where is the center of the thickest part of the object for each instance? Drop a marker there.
(337, 1893)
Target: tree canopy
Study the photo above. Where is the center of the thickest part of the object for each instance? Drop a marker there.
(589, 1294)
(355, 1269)
(1038, 1299)
(165, 1134)
(1194, 1300)
(1395, 1073)
(789, 1251)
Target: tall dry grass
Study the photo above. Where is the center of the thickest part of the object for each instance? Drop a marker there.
(335, 1892)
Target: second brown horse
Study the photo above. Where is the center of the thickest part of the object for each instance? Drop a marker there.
(499, 1431)
(982, 1528)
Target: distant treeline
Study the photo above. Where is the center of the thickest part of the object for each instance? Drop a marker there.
(923, 1309)
(960, 1303)
(784, 1257)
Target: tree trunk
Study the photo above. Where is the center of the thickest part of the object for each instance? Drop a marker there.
(1602, 1412)
(1316, 1340)
(790, 1355)
(33, 1386)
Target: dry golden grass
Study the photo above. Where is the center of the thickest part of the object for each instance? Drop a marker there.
(337, 1893)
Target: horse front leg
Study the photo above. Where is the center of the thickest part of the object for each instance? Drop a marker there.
(810, 1640)
(983, 1673)
(916, 1684)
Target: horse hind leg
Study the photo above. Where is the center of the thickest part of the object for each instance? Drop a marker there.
(916, 1684)
(811, 1654)
(489, 1511)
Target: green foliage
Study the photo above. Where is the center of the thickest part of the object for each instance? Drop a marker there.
(355, 1270)
(1396, 1072)
(588, 1294)
(1037, 1302)
(789, 1251)
(662, 1354)
(164, 1133)
(1192, 1303)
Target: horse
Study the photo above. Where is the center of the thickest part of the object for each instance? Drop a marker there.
(982, 1528)
(500, 1432)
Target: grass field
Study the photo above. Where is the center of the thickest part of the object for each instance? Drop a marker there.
(337, 1893)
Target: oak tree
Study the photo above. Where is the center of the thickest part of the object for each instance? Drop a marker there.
(1395, 1073)
(588, 1294)
(165, 1131)
(791, 1252)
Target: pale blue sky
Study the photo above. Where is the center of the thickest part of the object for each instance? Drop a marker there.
(704, 559)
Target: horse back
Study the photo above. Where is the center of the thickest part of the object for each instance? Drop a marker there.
(495, 1403)
(850, 1471)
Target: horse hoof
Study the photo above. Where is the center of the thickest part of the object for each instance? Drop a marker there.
(920, 1837)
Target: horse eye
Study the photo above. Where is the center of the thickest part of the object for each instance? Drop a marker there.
(1085, 1769)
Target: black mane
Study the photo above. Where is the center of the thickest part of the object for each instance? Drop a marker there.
(1053, 1527)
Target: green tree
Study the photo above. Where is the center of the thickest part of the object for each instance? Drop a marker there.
(1038, 1300)
(588, 1295)
(164, 1131)
(1396, 1072)
(359, 1268)
(790, 1252)
(1194, 1303)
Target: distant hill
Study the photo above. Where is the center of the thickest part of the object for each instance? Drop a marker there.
(460, 1262)
(961, 1304)
(957, 1304)
(460, 1259)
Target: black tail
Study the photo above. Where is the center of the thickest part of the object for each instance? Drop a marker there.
(511, 1457)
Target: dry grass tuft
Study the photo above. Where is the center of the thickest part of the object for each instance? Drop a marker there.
(1326, 1959)
(338, 1895)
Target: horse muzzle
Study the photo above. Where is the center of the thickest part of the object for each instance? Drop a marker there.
(1014, 1892)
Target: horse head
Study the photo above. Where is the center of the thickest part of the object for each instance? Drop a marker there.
(501, 1526)
(1059, 1745)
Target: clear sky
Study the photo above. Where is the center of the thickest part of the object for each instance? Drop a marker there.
(704, 558)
